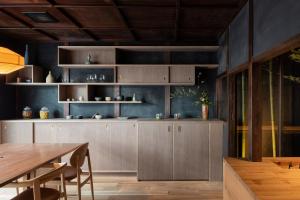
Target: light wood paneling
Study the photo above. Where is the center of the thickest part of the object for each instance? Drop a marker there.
(182, 74)
(155, 144)
(143, 74)
(215, 151)
(123, 141)
(17, 132)
(191, 151)
(233, 187)
(126, 187)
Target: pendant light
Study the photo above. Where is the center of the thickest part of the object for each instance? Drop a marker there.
(10, 61)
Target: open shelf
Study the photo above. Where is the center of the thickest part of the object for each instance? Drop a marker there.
(28, 74)
(103, 66)
(33, 84)
(101, 102)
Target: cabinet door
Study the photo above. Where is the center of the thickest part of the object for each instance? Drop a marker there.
(155, 150)
(216, 130)
(123, 140)
(45, 132)
(17, 132)
(191, 151)
(143, 74)
(94, 133)
(182, 74)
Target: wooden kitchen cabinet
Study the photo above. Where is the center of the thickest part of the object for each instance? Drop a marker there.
(143, 74)
(182, 74)
(17, 132)
(191, 151)
(96, 134)
(123, 146)
(155, 150)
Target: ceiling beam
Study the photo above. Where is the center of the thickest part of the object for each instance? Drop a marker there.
(118, 28)
(177, 22)
(29, 26)
(212, 6)
(73, 20)
(124, 20)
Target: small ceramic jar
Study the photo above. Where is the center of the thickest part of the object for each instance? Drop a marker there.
(44, 113)
(27, 113)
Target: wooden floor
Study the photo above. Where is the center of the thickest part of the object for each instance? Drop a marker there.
(126, 187)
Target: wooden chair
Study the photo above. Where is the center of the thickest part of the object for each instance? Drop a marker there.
(36, 192)
(74, 171)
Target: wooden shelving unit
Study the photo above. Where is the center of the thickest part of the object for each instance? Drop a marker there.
(30, 72)
(101, 102)
(33, 84)
(158, 73)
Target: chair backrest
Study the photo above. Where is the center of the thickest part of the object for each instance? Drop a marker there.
(57, 170)
(79, 155)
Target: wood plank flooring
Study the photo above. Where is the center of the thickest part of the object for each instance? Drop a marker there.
(126, 187)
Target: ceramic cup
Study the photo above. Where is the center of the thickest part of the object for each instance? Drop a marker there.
(81, 98)
(107, 98)
(98, 116)
(69, 117)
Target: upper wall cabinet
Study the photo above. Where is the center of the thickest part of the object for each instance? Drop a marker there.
(143, 74)
(163, 65)
(182, 74)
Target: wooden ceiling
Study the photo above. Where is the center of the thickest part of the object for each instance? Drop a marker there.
(119, 20)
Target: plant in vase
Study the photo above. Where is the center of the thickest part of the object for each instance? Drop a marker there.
(200, 96)
(204, 100)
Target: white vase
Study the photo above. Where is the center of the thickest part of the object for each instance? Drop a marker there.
(49, 78)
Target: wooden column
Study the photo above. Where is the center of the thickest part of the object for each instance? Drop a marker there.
(254, 100)
(231, 115)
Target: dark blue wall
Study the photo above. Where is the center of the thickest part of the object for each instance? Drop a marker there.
(275, 21)
(238, 38)
(7, 93)
(222, 54)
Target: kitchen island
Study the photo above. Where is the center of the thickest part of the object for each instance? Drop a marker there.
(185, 149)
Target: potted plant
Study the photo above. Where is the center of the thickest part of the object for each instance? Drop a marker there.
(204, 100)
(200, 95)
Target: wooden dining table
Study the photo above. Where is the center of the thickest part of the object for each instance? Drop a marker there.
(17, 160)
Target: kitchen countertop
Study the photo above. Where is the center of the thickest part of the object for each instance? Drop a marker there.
(267, 180)
(108, 120)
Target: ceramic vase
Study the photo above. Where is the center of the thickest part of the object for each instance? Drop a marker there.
(49, 78)
(204, 111)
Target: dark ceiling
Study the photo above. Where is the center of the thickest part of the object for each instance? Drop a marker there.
(119, 20)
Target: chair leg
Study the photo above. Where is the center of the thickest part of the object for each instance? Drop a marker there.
(90, 174)
(79, 190)
(78, 183)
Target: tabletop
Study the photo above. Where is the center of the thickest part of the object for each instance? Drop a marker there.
(17, 160)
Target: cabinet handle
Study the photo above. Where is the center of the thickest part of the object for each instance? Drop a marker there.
(5, 127)
(179, 129)
(164, 78)
(107, 126)
(169, 128)
(133, 125)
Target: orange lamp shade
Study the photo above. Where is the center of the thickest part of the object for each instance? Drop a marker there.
(10, 61)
